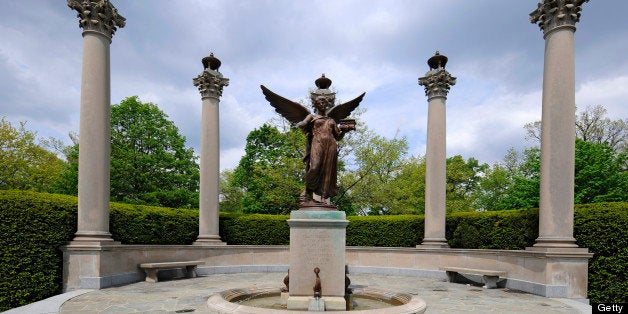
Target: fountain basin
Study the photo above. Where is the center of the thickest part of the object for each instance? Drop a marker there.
(255, 300)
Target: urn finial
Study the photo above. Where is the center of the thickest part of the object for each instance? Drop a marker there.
(323, 82)
(437, 61)
(211, 62)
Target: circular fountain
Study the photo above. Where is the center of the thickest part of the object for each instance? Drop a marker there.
(268, 300)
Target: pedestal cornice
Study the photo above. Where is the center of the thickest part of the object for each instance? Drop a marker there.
(99, 16)
(210, 83)
(437, 83)
(553, 14)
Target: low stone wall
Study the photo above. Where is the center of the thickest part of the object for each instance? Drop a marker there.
(558, 273)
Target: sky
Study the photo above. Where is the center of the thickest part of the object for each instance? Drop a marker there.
(377, 47)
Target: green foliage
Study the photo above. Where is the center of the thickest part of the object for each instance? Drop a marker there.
(407, 190)
(149, 161)
(32, 227)
(462, 179)
(371, 166)
(601, 227)
(601, 174)
(255, 229)
(35, 225)
(592, 126)
(67, 181)
(387, 231)
(139, 224)
(269, 177)
(24, 164)
(504, 230)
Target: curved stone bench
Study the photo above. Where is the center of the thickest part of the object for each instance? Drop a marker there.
(152, 269)
(491, 277)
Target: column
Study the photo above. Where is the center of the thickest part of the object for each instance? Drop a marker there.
(99, 21)
(557, 20)
(437, 82)
(210, 83)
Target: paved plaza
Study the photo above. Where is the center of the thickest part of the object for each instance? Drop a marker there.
(189, 296)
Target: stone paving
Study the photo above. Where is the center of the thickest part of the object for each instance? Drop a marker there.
(190, 295)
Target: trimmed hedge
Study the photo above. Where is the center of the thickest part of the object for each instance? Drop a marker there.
(254, 229)
(139, 224)
(395, 231)
(503, 230)
(34, 225)
(603, 228)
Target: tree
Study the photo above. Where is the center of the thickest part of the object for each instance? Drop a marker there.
(149, 161)
(593, 126)
(601, 174)
(374, 161)
(269, 177)
(512, 184)
(407, 190)
(462, 179)
(24, 164)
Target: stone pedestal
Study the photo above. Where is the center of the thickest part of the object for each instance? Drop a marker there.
(317, 239)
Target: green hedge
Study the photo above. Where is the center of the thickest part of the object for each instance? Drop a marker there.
(603, 228)
(34, 225)
(139, 224)
(504, 230)
(395, 231)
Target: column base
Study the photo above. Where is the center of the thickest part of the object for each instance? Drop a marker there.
(92, 238)
(545, 242)
(209, 240)
(434, 243)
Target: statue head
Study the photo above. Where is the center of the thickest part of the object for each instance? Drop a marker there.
(322, 103)
(323, 98)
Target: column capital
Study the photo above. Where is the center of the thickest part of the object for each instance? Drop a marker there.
(437, 82)
(97, 16)
(551, 14)
(210, 82)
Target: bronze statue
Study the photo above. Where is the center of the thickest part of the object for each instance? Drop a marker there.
(323, 129)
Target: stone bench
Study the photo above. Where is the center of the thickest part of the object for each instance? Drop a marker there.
(491, 277)
(152, 269)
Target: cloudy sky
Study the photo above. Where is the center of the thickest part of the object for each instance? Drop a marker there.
(379, 47)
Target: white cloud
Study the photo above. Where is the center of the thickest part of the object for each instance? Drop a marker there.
(373, 46)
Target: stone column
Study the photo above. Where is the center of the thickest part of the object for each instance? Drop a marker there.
(557, 20)
(210, 83)
(437, 82)
(99, 21)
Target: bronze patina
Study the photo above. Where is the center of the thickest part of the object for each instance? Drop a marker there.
(323, 129)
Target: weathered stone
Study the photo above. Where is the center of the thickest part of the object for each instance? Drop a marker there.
(437, 82)
(210, 84)
(99, 20)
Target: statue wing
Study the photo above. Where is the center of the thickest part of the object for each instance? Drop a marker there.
(344, 110)
(292, 111)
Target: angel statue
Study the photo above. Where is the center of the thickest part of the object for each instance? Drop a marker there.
(322, 129)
